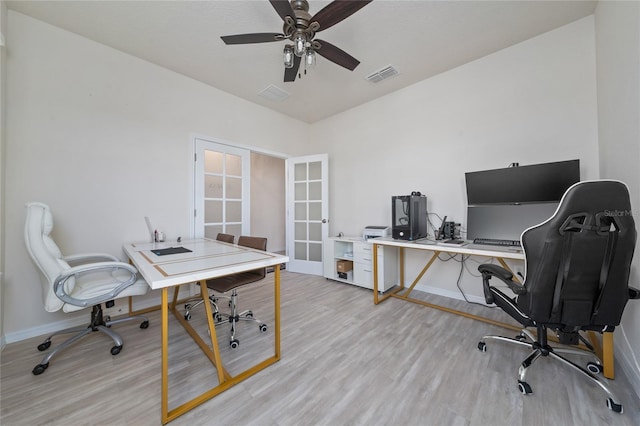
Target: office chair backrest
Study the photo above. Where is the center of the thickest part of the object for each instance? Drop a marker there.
(45, 253)
(258, 243)
(225, 238)
(578, 261)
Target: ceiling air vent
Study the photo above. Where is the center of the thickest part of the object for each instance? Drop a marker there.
(274, 93)
(383, 74)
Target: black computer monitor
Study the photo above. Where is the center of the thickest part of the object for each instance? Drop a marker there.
(536, 183)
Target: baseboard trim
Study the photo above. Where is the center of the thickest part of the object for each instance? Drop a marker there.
(450, 294)
(81, 319)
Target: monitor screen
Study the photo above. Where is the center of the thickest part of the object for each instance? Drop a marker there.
(505, 222)
(536, 183)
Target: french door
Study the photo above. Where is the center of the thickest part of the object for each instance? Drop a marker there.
(307, 212)
(221, 194)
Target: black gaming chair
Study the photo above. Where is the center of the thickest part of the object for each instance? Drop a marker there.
(576, 277)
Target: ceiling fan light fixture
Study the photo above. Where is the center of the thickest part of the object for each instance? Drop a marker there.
(300, 44)
(288, 56)
(310, 59)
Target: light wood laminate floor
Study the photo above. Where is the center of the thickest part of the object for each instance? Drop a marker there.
(344, 362)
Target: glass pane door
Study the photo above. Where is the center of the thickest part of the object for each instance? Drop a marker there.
(307, 223)
(222, 178)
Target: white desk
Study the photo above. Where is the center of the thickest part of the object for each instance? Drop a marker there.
(207, 259)
(604, 352)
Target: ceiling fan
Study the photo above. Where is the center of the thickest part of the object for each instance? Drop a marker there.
(301, 28)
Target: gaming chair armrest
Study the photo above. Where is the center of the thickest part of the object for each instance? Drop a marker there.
(488, 270)
(634, 293)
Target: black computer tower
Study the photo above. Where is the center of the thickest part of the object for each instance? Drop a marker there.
(409, 217)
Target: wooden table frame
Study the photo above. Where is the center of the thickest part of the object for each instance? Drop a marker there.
(210, 349)
(604, 351)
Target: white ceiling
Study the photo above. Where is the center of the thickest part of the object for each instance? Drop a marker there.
(419, 38)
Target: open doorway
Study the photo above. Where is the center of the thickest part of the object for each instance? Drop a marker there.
(268, 200)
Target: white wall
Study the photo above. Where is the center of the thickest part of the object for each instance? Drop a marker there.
(533, 102)
(103, 138)
(618, 71)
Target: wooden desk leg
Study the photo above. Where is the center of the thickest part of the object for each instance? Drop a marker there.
(164, 320)
(401, 266)
(204, 291)
(607, 355)
(276, 289)
(375, 274)
(421, 274)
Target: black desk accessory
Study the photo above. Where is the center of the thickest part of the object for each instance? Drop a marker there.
(170, 250)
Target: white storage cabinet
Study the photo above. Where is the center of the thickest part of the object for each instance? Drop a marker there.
(360, 252)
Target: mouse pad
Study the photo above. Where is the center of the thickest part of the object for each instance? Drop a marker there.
(170, 250)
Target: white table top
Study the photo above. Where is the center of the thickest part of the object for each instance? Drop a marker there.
(470, 249)
(207, 259)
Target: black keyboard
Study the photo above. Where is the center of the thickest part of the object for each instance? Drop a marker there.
(495, 242)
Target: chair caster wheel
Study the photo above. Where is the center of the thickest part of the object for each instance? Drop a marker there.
(594, 368)
(263, 328)
(217, 317)
(234, 344)
(39, 369)
(116, 350)
(612, 406)
(249, 314)
(187, 307)
(524, 388)
(144, 325)
(44, 346)
(482, 346)
(187, 317)
(521, 337)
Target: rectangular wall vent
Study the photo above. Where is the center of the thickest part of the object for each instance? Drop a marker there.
(274, 93)
(383, 74)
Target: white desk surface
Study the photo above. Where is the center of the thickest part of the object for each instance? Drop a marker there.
(207, 259)
(470, 249)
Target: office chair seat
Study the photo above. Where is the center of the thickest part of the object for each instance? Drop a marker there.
(577, 266)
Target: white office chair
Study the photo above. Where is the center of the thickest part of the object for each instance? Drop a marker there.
(90, 280)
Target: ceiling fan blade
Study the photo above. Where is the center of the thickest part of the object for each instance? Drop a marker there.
(283, 7)
(336, 11)
(337, 55)
(252, 38)
(291, 73)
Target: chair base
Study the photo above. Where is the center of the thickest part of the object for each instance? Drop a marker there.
(213, 300)
(223, 318)
(540, 348)
(98, 323)
(234, 317)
